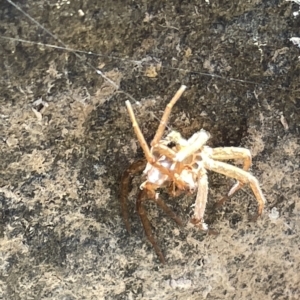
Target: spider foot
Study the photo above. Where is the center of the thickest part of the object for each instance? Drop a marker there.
(199, 223)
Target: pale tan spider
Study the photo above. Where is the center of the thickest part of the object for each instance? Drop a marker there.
(180, 165)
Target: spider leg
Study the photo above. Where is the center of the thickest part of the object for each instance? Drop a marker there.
(197, 141)
(134, 168)
(147, 225)
(239, 174)
(201, 200)
(165, 117)
(150, 195)
(234, 153)
(167, 210)
(164, 150)
(150, 158)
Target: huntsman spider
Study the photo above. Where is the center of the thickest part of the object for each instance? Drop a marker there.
(181, 165)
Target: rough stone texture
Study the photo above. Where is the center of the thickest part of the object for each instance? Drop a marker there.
(61, 234)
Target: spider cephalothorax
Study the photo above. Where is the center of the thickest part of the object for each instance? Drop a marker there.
(180, 165)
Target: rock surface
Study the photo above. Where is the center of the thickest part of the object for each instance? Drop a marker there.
(67, 138)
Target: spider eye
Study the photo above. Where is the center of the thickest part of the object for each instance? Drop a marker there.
(195, 166)
(171, 144)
